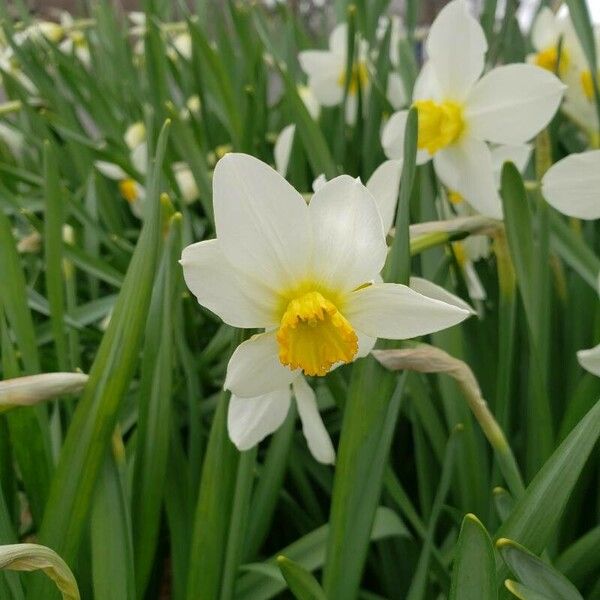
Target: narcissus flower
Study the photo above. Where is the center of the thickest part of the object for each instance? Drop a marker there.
(326, 70)
(308, 275)
(460, 112)
(572, 185)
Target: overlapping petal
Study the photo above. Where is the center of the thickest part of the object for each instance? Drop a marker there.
(250, 420)
(456, 45)
(262, 222)
(237, 299)
(348, 239)
(512, 103)
(394, 311)
(590, 359)
(572, 185)
(437, 292)
(392, 138)
(384, 184)
(317, 437)
(254, 368)
(466, 167)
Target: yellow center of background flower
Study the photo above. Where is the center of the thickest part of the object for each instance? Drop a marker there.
(460, 254)
(358, 77)
(128, 189)
(548, 59)
(440, 124)
(314, 335)
(587, 84)
(455, 197)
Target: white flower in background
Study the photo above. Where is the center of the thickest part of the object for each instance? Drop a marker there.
(549, 33)
(460, 112)
(285, 140)
(308, 275)
(75, 41)
(326, 71)
(572, 185)
(590, 359)
(53, 32)
(13, 139)
(396, 91)
(138, 23)
(180, 45)
(129, 187)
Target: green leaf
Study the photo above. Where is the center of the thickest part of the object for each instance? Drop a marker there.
(523, 592)
(535, 573)
(94, 420)
(474, 572)
(535, 516)
(300, 581)
(264, 580)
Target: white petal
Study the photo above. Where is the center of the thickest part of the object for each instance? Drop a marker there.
(456, 46)
(283, 149)
(234, 297)
(348, 238)
(135, 135)
(319, 182)
(338, 39)
(384, 185)
(186, 182)
(254, 368)
(545, 32)
(310, 101)
(110, 170)
(519, 154)
(590, 360)
(139, 157)
(262, 222)
(427, 86)
(392, 138)
(351, 110)
(251, 420)
(366, 343)
(325, 72)
(466, 168)
(513, 103)
(317, 438)
(327, 88)
(394, 311)
(474, 285)
(437, 292)
(572, 185)
(396, 93)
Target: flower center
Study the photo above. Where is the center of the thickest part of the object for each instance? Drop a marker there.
(455, 198)
(587, 84)
(314, 335)
(548, 59)
(440, 124)
(460, 253)
(128, 189)
(358, 77)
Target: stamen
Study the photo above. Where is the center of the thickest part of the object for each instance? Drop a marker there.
(440, 124)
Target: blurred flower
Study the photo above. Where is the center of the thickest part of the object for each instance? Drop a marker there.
(75, 41)
(326, 70)
(459, 112)
(306, 274)
(135, 135)
(53, 32)
(181, 45)
(572, 185)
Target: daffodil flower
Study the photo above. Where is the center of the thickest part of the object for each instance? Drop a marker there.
(74, 42)
(308, 275)
(572, 185)
(326, 70)
(460, 112)
(133, 191)
(553, 33)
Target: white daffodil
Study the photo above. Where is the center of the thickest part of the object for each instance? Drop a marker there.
(129, 188)
(553, 33)
(460, 112)
(308, 275)
(180, 45)
(326, 71)
(396, 91)
(285, 140)
(53, 32)
(135, 135)
(572, 185)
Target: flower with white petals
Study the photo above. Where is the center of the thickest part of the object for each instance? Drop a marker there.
(460, 111)
(308, 275)
(572, 185)
(554, 41)
(326, 70)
